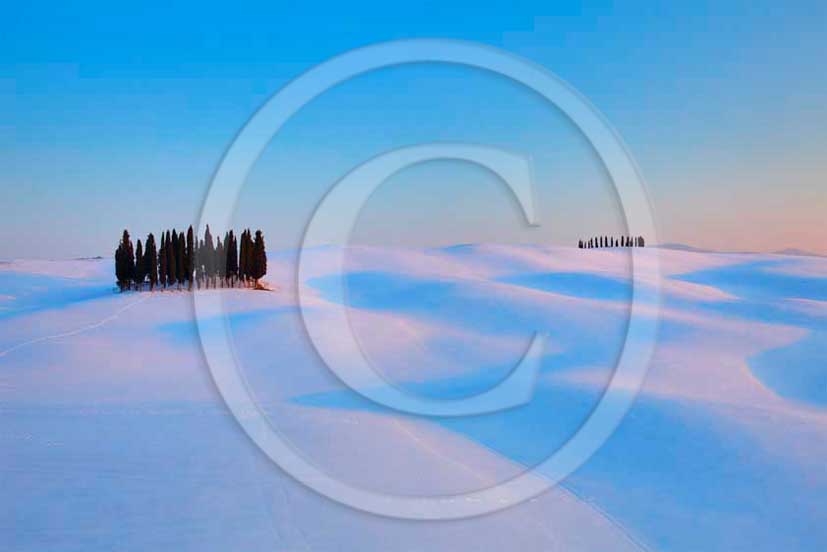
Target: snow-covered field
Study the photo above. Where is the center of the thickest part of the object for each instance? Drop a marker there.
(114, 437)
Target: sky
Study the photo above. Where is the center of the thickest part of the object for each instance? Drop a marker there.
(116, 116)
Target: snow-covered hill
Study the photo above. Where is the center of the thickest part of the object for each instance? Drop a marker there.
(115, 437)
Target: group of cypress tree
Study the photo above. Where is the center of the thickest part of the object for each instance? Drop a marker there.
(184, 262)
(611, 241)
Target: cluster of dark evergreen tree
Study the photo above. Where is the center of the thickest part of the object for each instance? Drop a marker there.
(611, 241)
(183, 261)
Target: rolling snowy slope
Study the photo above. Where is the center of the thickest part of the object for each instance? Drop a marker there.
(114, 435)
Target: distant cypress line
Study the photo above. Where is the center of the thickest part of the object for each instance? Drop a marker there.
(602, 242)
(184, 262)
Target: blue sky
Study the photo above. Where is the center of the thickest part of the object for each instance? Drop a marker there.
(114, 116)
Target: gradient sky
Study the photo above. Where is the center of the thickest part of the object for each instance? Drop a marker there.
(114, 116)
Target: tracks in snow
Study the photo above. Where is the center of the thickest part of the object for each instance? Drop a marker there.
(76, 331)
(614, 522)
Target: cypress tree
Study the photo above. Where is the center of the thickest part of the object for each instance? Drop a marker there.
(119, 266)
(236, 262)
(209, 256)
(171, 247)
(151, 261)
(130, 257)
(226, 267)
(259, 258)
(251, 267)
(180, 260)
(173, 261)
(642, 242)
(199, 263)
(190, 256)
(139, 266)
(249, 252)
(242, 261)
(162, 261)
(242, 258)
(225, 254)
(219, 261)
(232, 258)
(125, 262)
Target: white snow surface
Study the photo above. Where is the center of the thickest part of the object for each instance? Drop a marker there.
(114, 436)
